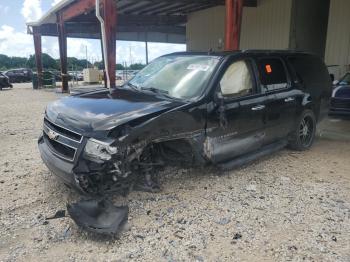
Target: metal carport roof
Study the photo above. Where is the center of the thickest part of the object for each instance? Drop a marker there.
(138, 20)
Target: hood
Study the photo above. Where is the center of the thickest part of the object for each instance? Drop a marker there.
(341, 91)
(103, 111)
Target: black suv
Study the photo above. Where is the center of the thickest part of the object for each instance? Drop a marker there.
(186, 109)
(20, 75)
(4, 81)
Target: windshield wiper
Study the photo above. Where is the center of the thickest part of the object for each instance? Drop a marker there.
(132, 86)
(158, 92)
(155, 90)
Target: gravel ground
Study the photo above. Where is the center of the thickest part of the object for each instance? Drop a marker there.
(290, 206)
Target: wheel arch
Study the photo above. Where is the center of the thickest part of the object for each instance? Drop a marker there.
(309, 103)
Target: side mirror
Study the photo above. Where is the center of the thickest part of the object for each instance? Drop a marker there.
(220, 105)
(218, 97)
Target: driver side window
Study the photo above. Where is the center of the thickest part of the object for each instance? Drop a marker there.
(237, 80)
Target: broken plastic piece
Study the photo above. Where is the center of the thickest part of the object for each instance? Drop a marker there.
(98, 216)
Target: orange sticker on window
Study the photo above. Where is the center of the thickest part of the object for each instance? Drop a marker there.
(268, 69)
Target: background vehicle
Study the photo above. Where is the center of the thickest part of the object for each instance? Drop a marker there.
(118, 76)
(80, 76)
(343, 81)
(75, 75)
(4, 81)
(340, 102)
(20, 75)
(186, 109)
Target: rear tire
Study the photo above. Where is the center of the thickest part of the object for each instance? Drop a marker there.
(303, 136)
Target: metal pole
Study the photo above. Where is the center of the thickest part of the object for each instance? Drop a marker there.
(108, 32)
(234, 10)
(38, 56)
(62, 40)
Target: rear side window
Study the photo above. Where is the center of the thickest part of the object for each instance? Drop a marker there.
(309, 70)
(272, 74)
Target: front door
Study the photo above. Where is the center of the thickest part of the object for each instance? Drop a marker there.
(237, 126)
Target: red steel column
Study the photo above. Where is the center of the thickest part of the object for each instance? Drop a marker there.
(62, 42)
(110, 21)
(38, 52)
(234, 11)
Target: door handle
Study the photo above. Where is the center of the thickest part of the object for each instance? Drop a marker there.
(289, 99)
(258, 108)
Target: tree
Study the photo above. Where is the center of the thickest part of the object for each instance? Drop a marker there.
(48, 62)
(119, 67)
(4, 62)
(99, 65)
(12, 62)
(137, 66)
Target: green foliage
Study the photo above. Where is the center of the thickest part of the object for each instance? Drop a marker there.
(49, 63)
(75, 64)
(99, 65)
(119, 67)
(136, 66)
(12, 62)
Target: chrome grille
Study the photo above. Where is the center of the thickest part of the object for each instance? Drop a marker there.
(62, 142)
(63, 131)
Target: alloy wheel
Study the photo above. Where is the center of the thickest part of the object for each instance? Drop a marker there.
(306, 131)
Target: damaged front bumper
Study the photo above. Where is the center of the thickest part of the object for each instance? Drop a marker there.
(85, 174)
(62, 169)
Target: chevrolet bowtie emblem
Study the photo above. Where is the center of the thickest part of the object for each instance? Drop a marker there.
(52, 135)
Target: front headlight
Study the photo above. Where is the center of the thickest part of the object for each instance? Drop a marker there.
(99, 151)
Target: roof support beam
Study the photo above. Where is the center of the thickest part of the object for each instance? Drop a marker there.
(234, 11)
(153, 7)
(93, 30)
(38, 55)
(62, 43)
(77, 8)
(110, 27)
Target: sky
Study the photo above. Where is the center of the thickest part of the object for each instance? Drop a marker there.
(14, 40)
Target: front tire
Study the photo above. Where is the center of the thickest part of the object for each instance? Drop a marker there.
(304, 134)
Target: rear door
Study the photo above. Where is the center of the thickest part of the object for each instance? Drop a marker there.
(281, 103)
(237, 126)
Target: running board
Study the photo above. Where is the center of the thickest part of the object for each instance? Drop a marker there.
(267, 150)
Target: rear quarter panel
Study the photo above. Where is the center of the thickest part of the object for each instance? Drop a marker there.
(310, 74)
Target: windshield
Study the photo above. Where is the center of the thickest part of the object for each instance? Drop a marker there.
(183, 77)
(345, 80)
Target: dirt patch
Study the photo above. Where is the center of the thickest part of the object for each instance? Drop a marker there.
(289, 206)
